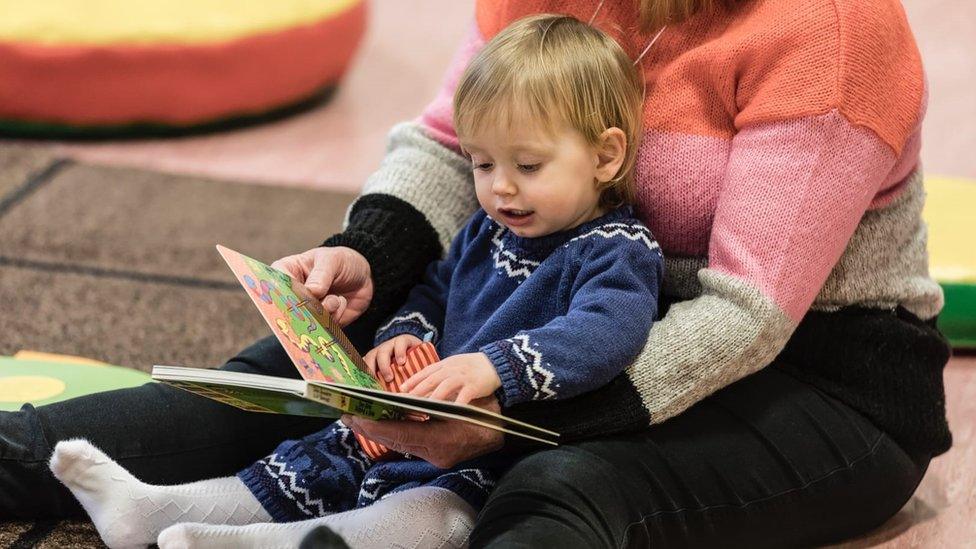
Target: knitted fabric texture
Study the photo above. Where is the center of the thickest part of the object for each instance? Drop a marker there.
(327, 472)
(549, 312)
(779, 171)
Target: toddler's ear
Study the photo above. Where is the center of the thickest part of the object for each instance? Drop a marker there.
(610, 153)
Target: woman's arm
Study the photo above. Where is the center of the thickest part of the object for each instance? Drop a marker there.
(426, 304)
(817, 144)
(784, 218)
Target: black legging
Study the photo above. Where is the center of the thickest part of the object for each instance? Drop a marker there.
(767, 461)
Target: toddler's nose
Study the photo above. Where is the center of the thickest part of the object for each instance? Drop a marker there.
(503, 186)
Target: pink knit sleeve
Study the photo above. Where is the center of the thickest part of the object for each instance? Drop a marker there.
(438, 116)
(793, 195)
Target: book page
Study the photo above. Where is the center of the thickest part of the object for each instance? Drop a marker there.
(316, 345)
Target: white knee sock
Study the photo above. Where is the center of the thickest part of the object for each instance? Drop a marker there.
(130, 513)
(420, 518)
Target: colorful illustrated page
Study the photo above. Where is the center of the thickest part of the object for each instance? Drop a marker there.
(311, 338)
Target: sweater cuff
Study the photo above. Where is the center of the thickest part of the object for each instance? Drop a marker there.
(400, 328)
(614, 408)
(398, 242)
(508, 394)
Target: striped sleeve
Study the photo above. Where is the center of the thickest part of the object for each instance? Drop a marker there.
(819, 140)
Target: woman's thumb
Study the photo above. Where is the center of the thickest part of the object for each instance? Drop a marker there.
(336, 305)
(319, 280)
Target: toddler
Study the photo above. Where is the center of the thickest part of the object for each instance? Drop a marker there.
(548, 292)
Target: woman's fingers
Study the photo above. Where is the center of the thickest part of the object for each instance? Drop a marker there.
(337, 276)
(319, 280)
(441, 443)
(336, 305)
(291, 266)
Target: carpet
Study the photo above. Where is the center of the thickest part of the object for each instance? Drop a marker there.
(119, 265)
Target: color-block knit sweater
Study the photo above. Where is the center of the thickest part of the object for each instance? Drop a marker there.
(549, 312)
(779, 171)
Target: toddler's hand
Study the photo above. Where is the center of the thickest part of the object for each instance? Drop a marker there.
(392, 349)
(461, 378)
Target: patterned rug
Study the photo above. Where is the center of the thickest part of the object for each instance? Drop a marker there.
(119, 265)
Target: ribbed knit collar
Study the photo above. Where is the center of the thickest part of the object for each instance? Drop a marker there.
(542, 246)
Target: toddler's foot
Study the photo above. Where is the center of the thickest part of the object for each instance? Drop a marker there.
(419, 518)
(129, 513)
(254, 536)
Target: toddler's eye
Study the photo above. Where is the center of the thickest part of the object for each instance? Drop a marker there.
(484, 166)
(528, 168)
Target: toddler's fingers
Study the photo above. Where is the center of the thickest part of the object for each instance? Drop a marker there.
(466, 395)
(387, 370)
(370, 360)
(428, 385)
(413, 380)
(400, 349)
(383, 360)
(447, 389)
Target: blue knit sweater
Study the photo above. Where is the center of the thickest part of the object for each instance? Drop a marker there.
(557, 315)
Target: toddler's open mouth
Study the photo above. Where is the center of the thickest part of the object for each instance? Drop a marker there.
(515, 217)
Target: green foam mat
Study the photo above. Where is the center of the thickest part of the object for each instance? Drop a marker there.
(43, 382)
(958, 318)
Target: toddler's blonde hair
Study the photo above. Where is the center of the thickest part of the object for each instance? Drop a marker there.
(552, 70)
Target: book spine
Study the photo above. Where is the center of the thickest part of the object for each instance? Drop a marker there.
(351, 405)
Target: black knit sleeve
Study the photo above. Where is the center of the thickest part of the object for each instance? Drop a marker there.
(399, 243)
(613, 408)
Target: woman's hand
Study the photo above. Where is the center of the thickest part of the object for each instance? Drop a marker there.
(339, 277)
(441, 443)
(393, 349)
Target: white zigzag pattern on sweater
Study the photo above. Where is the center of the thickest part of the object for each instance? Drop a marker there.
(377, 484)
(418, 317)
(511, 264)
(353, 450)
(293, 488)
(630, 232)
(539, 377)
(474, 476)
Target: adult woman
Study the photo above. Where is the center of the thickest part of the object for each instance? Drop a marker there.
(791, 395)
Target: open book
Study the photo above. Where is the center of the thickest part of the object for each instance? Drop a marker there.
(334, 377)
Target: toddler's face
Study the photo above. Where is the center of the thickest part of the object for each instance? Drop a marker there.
(535, 182)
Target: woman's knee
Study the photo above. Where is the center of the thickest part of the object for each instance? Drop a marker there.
(566, 495)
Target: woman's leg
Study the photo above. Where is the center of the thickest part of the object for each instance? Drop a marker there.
(768, 461)
(161, 434)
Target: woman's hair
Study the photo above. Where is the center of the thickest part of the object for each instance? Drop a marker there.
(554, 70)
(655, 14)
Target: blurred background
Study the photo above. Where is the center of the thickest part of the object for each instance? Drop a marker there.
(406, 46)
(106, 245)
